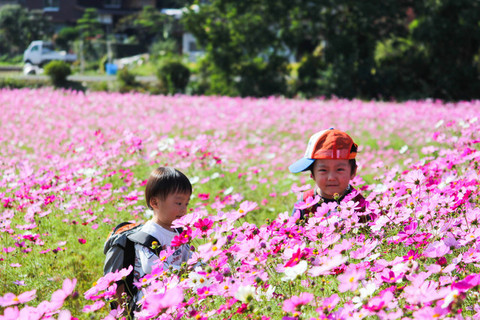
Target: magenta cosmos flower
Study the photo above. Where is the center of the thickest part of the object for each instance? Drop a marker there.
(295, 303)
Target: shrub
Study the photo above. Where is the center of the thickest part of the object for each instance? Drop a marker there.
(126, 81)
(58, 71)
(14, 83)
(173, 76)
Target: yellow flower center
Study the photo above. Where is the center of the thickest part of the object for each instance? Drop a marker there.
(214, 248)
(351, 279)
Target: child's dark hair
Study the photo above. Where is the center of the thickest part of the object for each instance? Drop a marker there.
(164, 181)
(353, 162)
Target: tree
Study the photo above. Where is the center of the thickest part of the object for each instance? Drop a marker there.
(90, 29)
(18, 27)
(66, 36)
(243, 42)
(341, 34)
(147, 26)
(368, 49)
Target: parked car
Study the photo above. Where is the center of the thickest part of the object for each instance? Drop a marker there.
(39, 53)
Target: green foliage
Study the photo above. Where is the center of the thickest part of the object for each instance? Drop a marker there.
(162, 48)
(15, 83)
(356, 49)
(243, 43)
(126, 81)
(58, 71)
(147, 26)
(90, 31)
(88, 25)
(66, 36)
(173, 76)
(18, 27)
(99, 86)
(9, 60)
(308, 73)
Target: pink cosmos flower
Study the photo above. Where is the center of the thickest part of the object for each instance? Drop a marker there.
(310, 201)
(155, 304)
(12, 299)
(65, 315)
(203, 224)
(380, 302)
(469, 282)
(204, 196)
(330, 302)
(296, 257)
(436, 249)
(59, 296)
(94, 307)
(414, 179)
(364, 250)
(182, 238)
(82, 241)
(349, 280)
(411, 255)
(328, 264)
(246, 207)
(430, 313)
(296, 302)
(104, 282)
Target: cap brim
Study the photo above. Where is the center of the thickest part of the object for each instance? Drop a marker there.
(301, 165)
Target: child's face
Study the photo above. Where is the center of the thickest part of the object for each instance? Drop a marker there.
(170, 209)
(332, 176)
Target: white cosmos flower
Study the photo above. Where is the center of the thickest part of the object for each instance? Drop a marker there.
(366, 291)
(291, 273)
(245, 293)
(198, 279)
(449, 298)
(260, 294)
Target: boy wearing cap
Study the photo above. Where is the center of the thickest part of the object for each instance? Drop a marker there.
(330, 158)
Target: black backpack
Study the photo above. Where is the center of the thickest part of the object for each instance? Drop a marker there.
(119, 250)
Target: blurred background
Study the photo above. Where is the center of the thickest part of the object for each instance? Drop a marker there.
(383, 50)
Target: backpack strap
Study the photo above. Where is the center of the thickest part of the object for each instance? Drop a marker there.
(129, 260)
(145, 240)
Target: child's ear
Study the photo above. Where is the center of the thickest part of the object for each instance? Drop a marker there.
(153, 202)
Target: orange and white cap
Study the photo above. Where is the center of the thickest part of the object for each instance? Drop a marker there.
(326, 144)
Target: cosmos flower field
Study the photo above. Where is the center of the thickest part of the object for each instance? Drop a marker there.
(74, 165)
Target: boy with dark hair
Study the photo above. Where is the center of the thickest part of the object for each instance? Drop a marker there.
(167, 193)
(330, 158)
